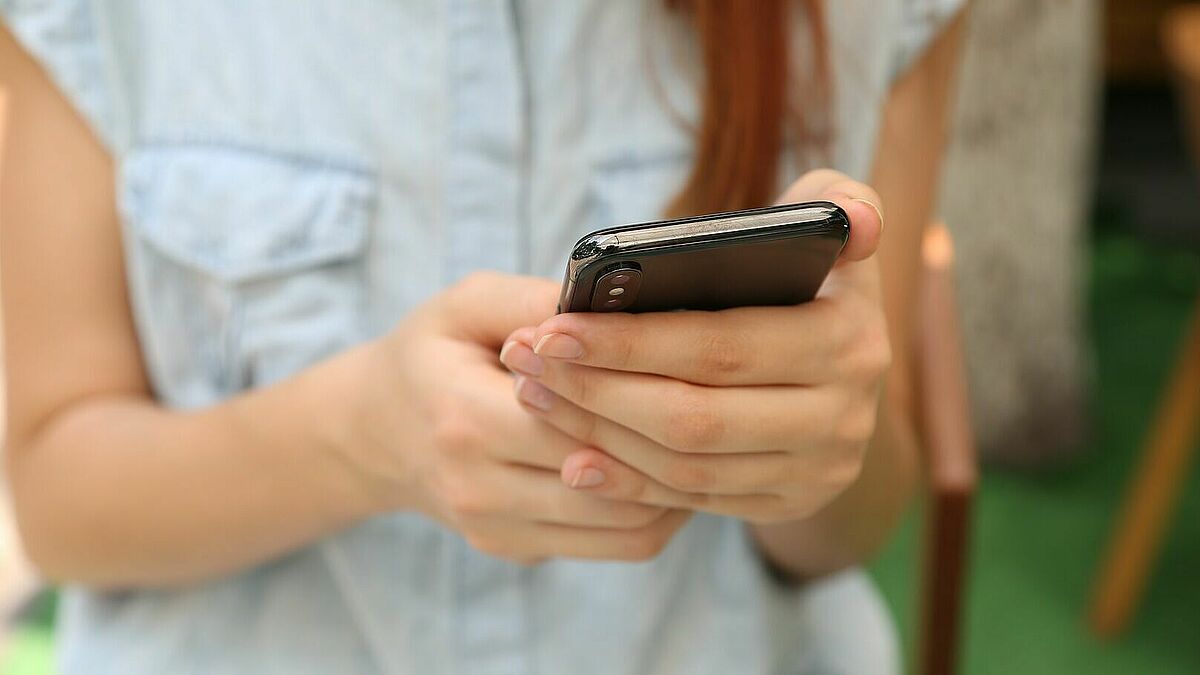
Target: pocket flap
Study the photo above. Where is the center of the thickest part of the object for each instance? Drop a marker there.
(242, 214)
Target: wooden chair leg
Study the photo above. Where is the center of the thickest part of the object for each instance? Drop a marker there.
(944, 419)
(1166, 457)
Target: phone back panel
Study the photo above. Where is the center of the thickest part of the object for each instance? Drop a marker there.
(782, 266)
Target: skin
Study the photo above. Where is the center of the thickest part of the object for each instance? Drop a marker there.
(772, 415)
(111, 489)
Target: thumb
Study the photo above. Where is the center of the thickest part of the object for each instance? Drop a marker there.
(866, 219)
(858, 200)
(486, 307)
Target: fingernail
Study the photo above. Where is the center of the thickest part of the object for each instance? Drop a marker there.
(558, 346)
(533, 394)
(874, 206)
(587, 477)
(517, 356)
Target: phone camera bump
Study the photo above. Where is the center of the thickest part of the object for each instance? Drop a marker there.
(616, 289)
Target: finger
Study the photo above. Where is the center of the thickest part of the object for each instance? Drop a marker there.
(635, 467)
(525, 335)
(860, 202)
(811, 186)
(742, 346)
(624, 483)
(486, 306)
(693, 418)
(539, 495)
(600, 473)
(515, 437)
(528, 542)
(642, 543)
(863, 205)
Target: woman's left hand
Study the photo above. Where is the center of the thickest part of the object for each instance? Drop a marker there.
(763, 413)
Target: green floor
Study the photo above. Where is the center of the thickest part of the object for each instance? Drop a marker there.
(1037, 537)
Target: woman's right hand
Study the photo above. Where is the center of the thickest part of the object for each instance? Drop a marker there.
(436, 429)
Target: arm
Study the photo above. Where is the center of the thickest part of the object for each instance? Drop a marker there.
(906, 174)
(111, 489)
(108, 487)
(768, 414)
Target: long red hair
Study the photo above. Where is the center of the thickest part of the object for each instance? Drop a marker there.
(746, 114)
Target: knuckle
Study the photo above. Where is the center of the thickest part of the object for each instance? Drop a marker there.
(645, 544)
(843, 184)
(452, 427)
(846, 472)
(461, 498)
(692, 424)
(856, 426)
(876, 348)
(840, 323)
(697, 501)
(803, 188)
(559, 508)
(589, 429)
(721, 354)
(838, 473)
(775, 475)
(497, 548)
(579, 386)
(638, 516)
(687, 475)
(461, 291)
(868, 350)
(620, 339)
(632, 490)
(475, 281)
(483, 543)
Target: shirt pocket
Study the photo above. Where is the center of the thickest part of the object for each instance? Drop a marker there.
(244, 266)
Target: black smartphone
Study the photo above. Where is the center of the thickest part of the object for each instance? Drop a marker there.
(778, 255)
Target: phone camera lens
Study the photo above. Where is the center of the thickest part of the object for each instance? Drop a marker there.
(617, 290)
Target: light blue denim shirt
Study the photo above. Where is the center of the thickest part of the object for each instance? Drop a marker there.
(296, 175)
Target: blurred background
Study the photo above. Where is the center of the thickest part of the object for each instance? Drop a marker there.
(1072, 191)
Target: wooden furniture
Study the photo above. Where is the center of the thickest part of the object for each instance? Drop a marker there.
(1132, 53)
(944, 424)
(1181, 44)
(1171, 444)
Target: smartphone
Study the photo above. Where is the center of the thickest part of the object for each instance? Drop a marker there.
(778, 255)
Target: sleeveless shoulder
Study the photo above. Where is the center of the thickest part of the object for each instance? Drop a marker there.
(64, 36)
(919, 22)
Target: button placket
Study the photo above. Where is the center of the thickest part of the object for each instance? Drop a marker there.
(484, 193)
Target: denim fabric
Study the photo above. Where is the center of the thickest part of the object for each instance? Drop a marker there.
(296, 175)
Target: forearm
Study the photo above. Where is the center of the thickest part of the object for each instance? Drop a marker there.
(855, 525)
(117, 491)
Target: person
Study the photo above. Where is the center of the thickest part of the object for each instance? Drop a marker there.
(268, 414)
